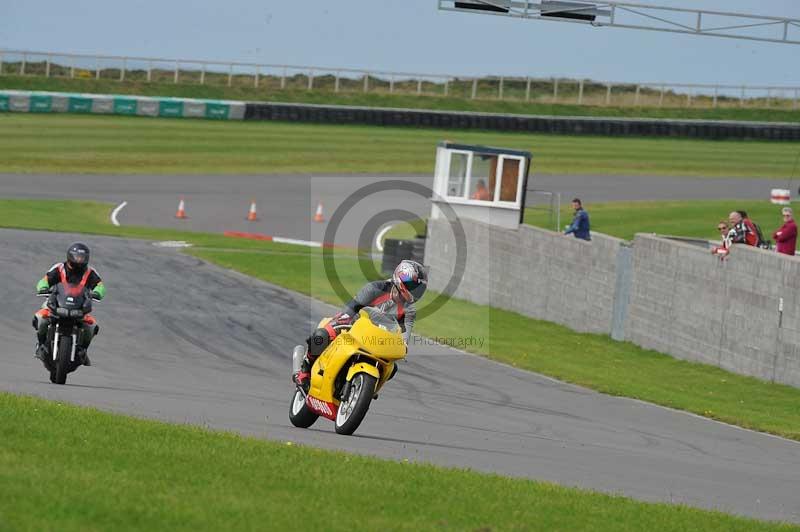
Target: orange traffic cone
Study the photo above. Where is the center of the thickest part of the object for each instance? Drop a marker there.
(318, 216)
(251, 215)
(181, 214)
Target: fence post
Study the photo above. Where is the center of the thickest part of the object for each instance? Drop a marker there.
(769, 97)
(714, 101)
(47, 67)
(419, 85)
(446, 86)
(283, 79)
(336, 83)
(528, 89)
(366, 81)
(661, 97)
(608, 94)
(689, 98)
(22, 65)
(474, 87)
(230, 74)
(311, 80)
(555, 89)
(741, 97)
(255, 78)
(177, 69)
(391, 84)
(203, 74)
(122, 70)
(500, 89)
(97, 68)
(636, 96)
(71, 71)
(580, 92)
(149, 71)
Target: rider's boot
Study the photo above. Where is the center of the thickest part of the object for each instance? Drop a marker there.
(303, 377)
(41, 352)
(83, 356)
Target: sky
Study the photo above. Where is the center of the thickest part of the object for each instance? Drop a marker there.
(400, 35)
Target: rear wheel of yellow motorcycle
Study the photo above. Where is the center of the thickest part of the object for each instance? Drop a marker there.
(354, 407)
(299, 413)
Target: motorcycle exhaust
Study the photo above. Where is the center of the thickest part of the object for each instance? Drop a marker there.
(297, 357)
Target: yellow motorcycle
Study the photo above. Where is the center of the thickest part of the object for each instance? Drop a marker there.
(349, 373)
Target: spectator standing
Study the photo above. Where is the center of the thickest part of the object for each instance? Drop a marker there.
(786, 236)
(580, 222)
(725, 234)
(743, 231)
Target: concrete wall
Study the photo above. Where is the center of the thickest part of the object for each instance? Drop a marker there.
(531, 271)
(661, 294)
(686, 302)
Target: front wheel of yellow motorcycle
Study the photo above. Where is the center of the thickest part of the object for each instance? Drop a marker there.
(354, 407)
(299, 413)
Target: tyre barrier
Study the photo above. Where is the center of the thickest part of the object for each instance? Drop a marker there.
(622, 127)
(396, 250)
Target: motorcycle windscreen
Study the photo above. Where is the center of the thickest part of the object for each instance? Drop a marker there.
(378, 334)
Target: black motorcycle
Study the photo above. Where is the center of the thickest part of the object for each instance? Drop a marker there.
(67, 308)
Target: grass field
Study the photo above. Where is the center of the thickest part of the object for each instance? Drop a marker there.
(591, 360)
(31, 143)
(68, 468)
(696, 218)
(487, 103)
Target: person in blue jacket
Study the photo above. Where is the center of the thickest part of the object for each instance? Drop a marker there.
(580, 222)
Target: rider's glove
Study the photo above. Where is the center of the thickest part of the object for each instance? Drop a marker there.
(343, 318)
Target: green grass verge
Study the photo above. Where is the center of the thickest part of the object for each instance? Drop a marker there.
(486, 104)
(695, 218)
(591, 360)
(71, 468)
(31, 143)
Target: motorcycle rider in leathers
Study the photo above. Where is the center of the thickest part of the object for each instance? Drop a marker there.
(395, 296)
(75, 271)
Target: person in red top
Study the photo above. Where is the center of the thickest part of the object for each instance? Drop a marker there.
(786, 236)
(743, 231)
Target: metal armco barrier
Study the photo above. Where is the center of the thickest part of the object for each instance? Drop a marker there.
(635, 127)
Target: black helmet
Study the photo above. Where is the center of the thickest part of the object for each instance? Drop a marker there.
(78, 256)
(410, 280)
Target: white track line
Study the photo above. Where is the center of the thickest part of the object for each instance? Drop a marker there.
(379, 237)
(115, 212)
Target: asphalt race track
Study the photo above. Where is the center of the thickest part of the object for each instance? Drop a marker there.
(286, 203)
(188, 342)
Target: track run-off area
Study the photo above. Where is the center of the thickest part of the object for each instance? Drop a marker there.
(185, 341)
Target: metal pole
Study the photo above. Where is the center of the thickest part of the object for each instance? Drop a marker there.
(97, 68)
(391, 84)
(714, 101)
(446, 86)
(71, 71)
(474, 87)
(689, 98)
(203, 74)
(608, 95)
(47, 67)
(230, 75)
(255, 78)
(22, 65)
(661, 97)
(500, 89)
(283, 79)
(794, 101)
(366, 81)
(555, 89)
(177, 69)
(149, 71)
(336, 83)
(769, 97)
(311, 80)
(528, 89)
(124, 67)
(580, 92)
(419, 85)
(741, 97)
(1, 63)
(636, 97)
